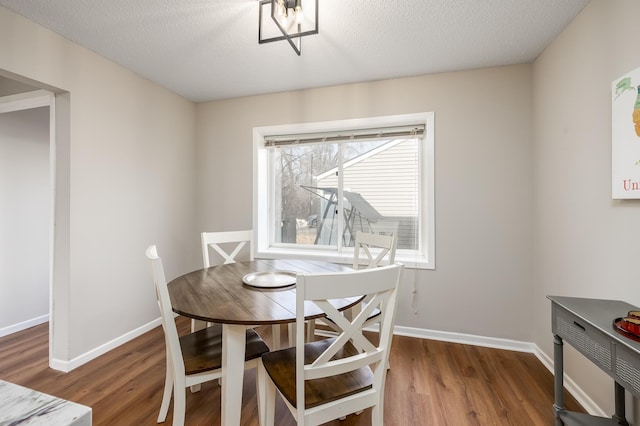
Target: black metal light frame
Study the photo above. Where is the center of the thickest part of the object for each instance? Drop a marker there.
(290, 37)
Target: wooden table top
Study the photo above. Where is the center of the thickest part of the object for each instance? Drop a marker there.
(217, 294)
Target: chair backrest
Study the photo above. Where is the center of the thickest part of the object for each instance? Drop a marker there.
(369, 244)
(215, 239)
(379, 287)
(171, 338)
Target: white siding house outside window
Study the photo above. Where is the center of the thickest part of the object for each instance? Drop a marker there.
(317, 184)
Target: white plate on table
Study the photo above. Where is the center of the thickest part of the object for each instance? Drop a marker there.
(270, 279)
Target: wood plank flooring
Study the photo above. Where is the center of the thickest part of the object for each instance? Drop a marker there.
(430, 383)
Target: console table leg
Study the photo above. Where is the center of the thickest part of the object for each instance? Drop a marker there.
(558, 379)
(620, 415)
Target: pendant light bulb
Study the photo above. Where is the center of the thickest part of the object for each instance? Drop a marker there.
(299, 16)
(281, 9)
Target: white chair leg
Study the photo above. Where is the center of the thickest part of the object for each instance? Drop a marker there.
(260, 392)
(166, 395)
(197, 325)
(270, 404)
(275, 334)
(291, 329)
(377, 415)
(179, 406)
(311, 330)
(266, 398)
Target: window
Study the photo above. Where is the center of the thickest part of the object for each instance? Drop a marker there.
(317, 184)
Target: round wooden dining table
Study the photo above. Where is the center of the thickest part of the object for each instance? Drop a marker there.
(218, 294)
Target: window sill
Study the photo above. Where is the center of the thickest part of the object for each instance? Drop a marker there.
(410, 261)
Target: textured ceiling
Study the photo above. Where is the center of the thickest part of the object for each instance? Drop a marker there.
(207, 50)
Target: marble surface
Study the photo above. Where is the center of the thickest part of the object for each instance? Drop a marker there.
(22, 406)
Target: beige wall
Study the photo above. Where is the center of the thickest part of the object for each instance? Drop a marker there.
(483, 186)
(586, 244)
(125, 180)
(24, 217)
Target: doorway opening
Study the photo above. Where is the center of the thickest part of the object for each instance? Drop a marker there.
(34, 141)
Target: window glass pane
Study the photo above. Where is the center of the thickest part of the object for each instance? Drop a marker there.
(380, 189)
(304, 214)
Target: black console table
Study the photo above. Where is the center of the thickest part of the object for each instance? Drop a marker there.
(587, 325)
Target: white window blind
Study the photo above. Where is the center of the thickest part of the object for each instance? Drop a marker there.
(389, 133)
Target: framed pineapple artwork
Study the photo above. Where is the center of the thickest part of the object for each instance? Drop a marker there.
(625, 137)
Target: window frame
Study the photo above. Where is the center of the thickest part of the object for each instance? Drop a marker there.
(423, 258)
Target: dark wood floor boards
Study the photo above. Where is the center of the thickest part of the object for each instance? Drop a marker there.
(430, 383)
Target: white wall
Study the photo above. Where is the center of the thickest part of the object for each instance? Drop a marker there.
(24, 216)
(125, 180)
(483, 185)
(586, 244)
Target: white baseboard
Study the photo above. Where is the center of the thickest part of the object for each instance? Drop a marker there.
(468, 339)
(512, 345)
(66, 366)
(23, 325)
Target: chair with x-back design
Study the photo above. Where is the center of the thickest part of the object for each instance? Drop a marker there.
(331, 378)
(369, 251)
(226, 247)
(193, 358)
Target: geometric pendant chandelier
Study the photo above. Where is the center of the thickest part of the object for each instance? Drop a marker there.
(287, 20)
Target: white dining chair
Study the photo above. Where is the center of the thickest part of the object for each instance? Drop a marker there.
(369, 251)
(194, 358)
(328, 379)
(223, 247)
(226, 247)
(373, 250)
